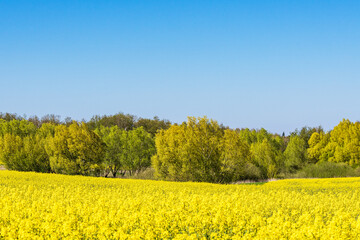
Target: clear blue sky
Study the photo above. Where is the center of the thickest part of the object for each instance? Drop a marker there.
(273, 64)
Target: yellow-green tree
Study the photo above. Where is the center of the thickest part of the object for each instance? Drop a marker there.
(20, 128)
(203, 149)
(24, 153)
(346, 136)
(317, 144)
(75, 150)
(21, 147)
(11, 154)
(235, 157)
(342, 144)
(265, 156)
(194, 151)
(189, 152)
(266, 152)
(170, 154)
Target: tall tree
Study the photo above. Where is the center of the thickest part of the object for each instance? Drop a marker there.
(138, 149)
(113, 159)
(152, 125)
(123, 121)
(267, 158)
(295, 154)
(24, 153)
(189, 152)
(306, 132)
(10, 116)
(20, 128)
(75, 150)
(342, 144)
(234, 158)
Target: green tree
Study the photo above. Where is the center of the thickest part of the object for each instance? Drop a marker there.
(306, 132)
(51, 118)
(295, 154)
(113, 160)
(152, 125)
(123, 121)
(126, 151)
(138, 148)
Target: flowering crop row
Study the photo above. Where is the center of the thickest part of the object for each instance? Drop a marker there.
(48, 206)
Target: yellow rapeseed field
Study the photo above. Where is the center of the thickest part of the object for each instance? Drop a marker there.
(46, 206)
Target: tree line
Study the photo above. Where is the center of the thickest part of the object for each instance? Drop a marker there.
(199, 149)
(103, 146)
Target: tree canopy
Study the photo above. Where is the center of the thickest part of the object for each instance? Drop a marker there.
(200, 149)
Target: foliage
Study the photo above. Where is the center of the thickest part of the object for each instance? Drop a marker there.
(10, 116)
(51, 118)
(170, 151)
(147, 174)
(114, 155)
(342, 144)
(21, 147)
(121, 120)
(126, 151)
(327, 170)
(317, 144)
(267, 158)
(200, 150)
(128, 122)
(24, 154)
(152, 126)
(295, 154)
(197, 150)
(306, 132)
(75, 150)
(235, 157)
(19, 128)
(189, 152)
(266, 153)
(138, 149)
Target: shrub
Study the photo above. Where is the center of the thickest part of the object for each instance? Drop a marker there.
(252, 172)
(327, 170)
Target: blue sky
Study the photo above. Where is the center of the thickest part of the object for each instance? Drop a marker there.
(279, 65)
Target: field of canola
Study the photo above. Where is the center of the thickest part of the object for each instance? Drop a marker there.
(45, 206)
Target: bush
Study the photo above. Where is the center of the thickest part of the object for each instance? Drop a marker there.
(147, 174)
(252, 172)
(327, 170)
